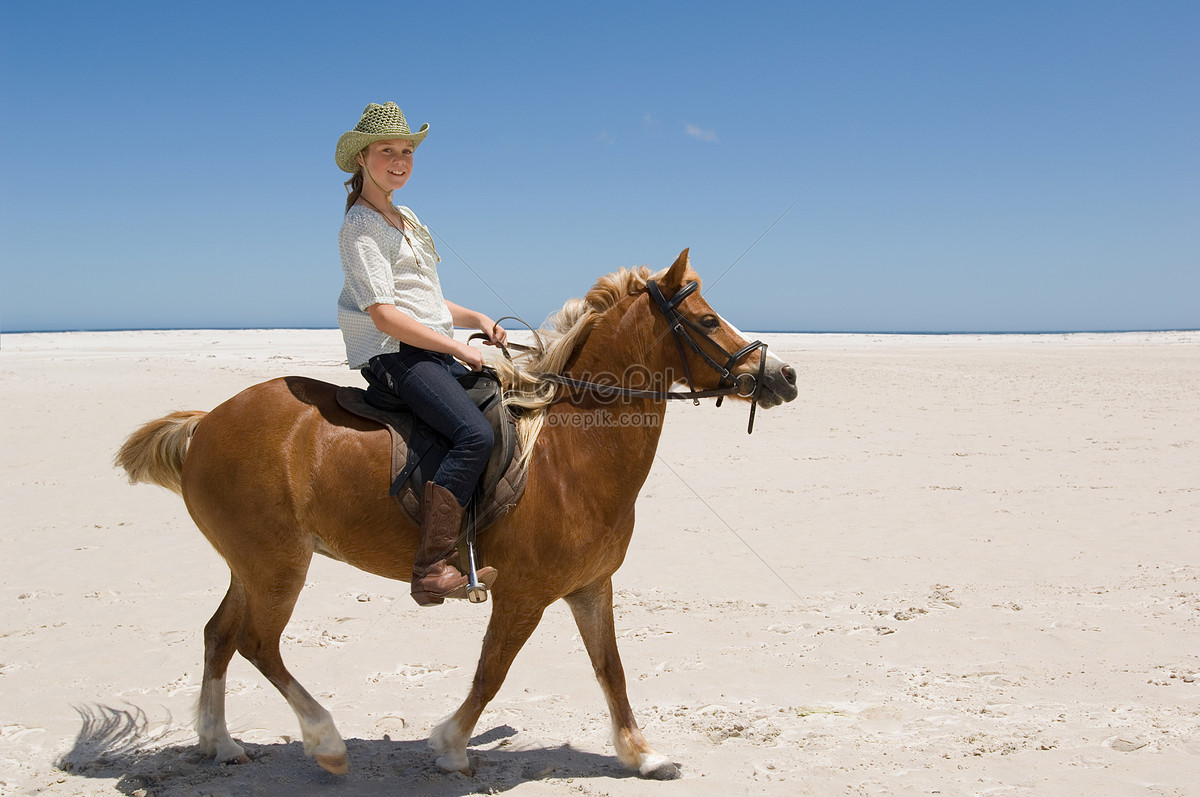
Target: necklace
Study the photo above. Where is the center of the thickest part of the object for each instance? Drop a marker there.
(399, 227)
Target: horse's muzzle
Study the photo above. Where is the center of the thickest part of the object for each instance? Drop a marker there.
(778, 384)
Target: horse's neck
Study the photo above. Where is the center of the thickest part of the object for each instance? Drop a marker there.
(621, 345)
(605, 429)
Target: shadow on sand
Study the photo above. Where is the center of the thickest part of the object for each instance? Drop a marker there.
(115, 744)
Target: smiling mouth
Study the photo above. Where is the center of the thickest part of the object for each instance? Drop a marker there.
(395, 174)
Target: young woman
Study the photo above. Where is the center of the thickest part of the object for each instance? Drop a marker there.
(399, 327)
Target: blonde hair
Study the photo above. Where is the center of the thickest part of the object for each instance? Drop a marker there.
(561, 335)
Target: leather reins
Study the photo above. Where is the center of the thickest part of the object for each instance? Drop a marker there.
(682, 330)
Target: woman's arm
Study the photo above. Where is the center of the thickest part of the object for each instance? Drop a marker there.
(472, 319)
(392, 321)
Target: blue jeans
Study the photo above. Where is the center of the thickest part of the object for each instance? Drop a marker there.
(425, 381)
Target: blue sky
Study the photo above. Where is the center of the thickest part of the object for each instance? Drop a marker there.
(939, 166)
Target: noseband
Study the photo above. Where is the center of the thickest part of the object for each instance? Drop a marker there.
(683, 330)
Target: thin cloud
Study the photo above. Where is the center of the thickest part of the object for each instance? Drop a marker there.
(699, 133)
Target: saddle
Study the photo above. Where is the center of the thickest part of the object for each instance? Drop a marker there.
(418, 450)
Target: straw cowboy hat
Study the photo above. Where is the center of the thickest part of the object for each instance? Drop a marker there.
(378, 122)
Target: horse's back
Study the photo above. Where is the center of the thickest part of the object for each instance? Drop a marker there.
(281, 463)
(287, 399)
(262, 427)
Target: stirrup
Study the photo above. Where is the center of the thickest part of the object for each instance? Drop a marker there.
(477, 587)
(476, 592)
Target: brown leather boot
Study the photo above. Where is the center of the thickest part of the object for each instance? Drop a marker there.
(435, 576)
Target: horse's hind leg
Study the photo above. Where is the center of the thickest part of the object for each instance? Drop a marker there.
(269, 602)
(220, 641)
(593, 610)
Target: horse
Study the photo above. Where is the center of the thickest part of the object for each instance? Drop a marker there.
(277, 473)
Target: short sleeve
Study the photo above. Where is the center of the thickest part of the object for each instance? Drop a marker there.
(368, 273)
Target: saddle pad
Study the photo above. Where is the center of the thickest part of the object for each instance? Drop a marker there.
(503, 480)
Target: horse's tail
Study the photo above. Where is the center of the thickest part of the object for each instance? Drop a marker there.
(154, 453)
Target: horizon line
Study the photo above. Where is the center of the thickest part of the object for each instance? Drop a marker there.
(928, 332)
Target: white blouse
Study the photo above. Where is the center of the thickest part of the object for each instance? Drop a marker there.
(383, 266)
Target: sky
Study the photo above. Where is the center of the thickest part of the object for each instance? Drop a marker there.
(836, 166)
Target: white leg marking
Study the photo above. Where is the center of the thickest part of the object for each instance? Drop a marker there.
(450, 743)
(321, 738)
(210, 724)
(648, 763)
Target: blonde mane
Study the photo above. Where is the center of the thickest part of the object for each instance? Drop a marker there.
(562, 334)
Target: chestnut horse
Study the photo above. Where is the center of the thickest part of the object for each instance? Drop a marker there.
(278, 472)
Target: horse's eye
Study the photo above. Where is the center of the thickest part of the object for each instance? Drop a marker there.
(710, 322)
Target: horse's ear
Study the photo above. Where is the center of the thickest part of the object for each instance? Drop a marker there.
(674, 278)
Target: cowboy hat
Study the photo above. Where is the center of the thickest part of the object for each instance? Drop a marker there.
(378, 122)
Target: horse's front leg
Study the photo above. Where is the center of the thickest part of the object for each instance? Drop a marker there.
(510, 626)
(593, 610)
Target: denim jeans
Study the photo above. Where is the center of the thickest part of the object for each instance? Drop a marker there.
(425, 381)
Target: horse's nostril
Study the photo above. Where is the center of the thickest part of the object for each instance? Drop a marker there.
(789, 373)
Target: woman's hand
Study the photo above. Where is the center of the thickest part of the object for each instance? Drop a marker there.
(471, 319)
(472, 358)
(497, 335)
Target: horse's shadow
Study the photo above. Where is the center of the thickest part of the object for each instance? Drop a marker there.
(115, 743)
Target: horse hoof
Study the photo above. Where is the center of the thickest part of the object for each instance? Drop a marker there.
(334, 764)
(237, 759)
(659, 768)
(455, 763)
(232, 753)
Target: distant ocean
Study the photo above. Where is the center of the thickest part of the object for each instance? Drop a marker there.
(756, 332)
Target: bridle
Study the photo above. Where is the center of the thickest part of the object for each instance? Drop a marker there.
(683, 330)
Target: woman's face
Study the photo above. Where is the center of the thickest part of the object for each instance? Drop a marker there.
(390, 162)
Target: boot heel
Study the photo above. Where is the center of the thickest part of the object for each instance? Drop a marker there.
(428, 599)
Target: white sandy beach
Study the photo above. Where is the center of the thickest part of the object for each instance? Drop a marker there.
(955, 565)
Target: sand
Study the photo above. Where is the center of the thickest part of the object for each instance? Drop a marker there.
(955, 565)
